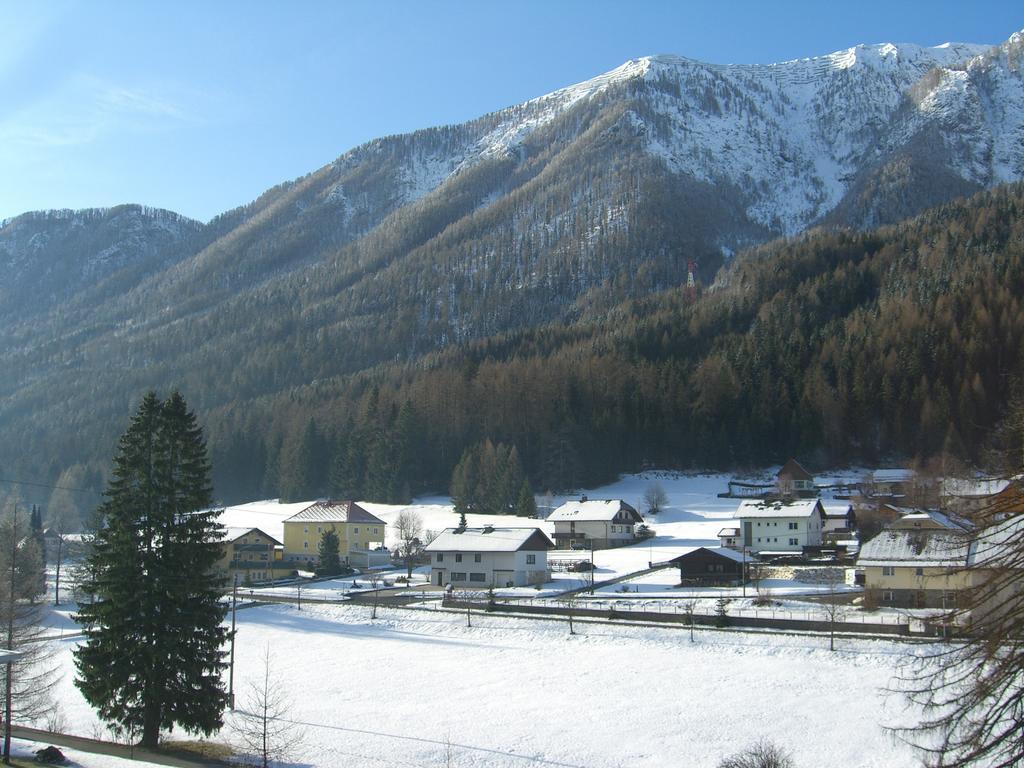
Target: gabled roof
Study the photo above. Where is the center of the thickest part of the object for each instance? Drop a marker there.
(728, 532)
(776, 509)
(335, 512)
(936, 548)
(490, 539)
(928, 519)
(728, 554)
(836, 509)
(1000, 545)
(596, 509)
(233, 533)
(793, 469)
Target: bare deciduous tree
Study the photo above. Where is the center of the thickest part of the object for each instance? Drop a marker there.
(762, 754)
(28, 682)
(689, 608)
(260, 723)
(655, 498)
(970, 689)
(409, 526)
(833, 607)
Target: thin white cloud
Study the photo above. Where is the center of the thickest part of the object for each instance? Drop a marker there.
(84, 109)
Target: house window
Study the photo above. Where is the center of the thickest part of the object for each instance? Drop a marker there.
(355, 530)
(374, 530)
(476, 557)
(457, 576)
(440, 557)
(458, 557)
(531, 559)
(794, 542)
(792, 526)
(919, 571)
(887, 596)
(305, 545)
(305, 529)
(888, 570)
(478, 577)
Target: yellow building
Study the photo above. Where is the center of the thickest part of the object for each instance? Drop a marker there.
(251, 555)
(919, 561)
(360, 533)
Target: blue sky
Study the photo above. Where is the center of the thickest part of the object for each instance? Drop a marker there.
(200, 106)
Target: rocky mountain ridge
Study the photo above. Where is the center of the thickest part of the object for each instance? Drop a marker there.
(543, 212)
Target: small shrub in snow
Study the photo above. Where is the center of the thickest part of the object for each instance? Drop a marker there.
(762, 754)
(722, 612)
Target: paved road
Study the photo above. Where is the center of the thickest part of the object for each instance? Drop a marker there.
(98, 747)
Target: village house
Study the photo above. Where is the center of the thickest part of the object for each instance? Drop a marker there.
(249, 555)
(918, 561)
(889, 484)
(711, 566)
(730, 537)
(794, 480)
(595, 524)
(840, 521)
(780, 526)
(360, 534)
(479, 558)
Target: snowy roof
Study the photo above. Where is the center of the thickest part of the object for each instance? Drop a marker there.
(729, 532)
(892, 475)
(919, 548)
(928, 518)
(774, 509)
(596, 509)
(233, 532)
(335, 512)
(973, 488)
(1000, 544)
(488, 539)
(729, 554)
(836, 509)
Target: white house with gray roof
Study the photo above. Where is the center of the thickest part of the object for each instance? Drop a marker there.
(484, 557)
(595, 524)
(780, 526)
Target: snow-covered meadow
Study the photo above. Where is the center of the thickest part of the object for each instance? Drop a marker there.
(413, 687)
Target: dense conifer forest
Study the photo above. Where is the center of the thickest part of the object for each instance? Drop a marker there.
(837, 346)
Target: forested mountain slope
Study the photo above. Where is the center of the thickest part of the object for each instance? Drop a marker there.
(548, 213)
(900, 342)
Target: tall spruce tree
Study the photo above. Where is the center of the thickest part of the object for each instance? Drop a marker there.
(152, 657)
(330, 557)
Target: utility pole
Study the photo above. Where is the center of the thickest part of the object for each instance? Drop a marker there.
(231, 668)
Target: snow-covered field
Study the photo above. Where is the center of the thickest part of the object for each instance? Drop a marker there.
(403, 690)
